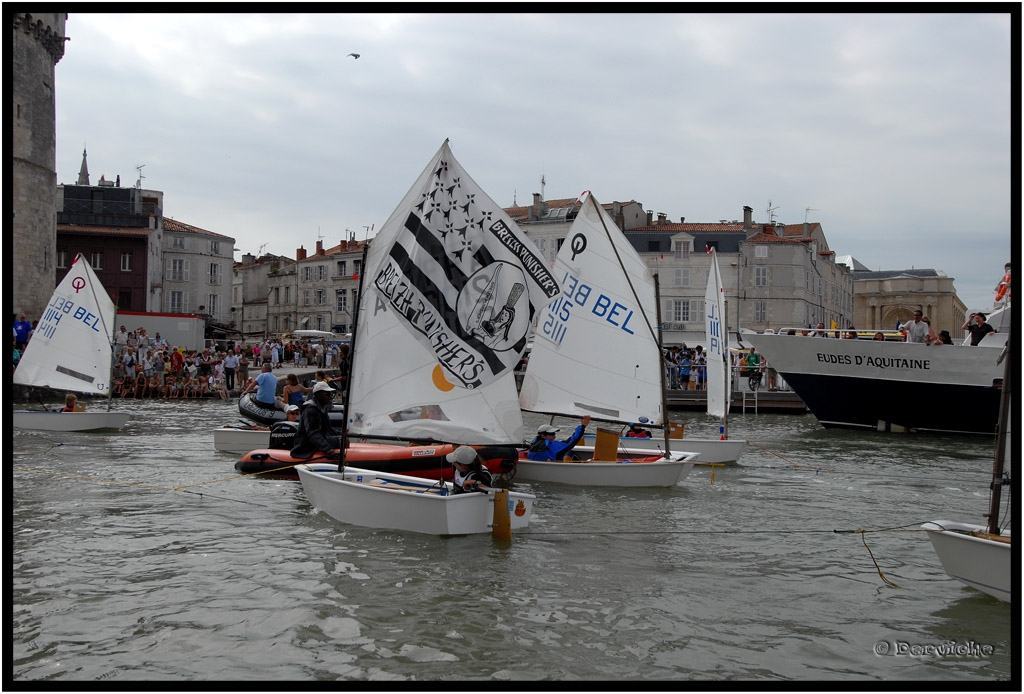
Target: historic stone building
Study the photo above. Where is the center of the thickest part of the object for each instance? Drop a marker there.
(36, 48)
(774, 275)
(884, 298)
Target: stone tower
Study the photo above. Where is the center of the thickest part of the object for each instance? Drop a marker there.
(38, 44)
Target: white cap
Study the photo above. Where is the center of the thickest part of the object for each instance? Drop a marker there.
(463, 454)
(322, 387)
(291, 408)
(547, 429)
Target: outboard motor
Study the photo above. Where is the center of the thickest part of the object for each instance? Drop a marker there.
(282, 435)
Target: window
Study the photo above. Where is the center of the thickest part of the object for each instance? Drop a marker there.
(213, 307)
(321, 271)
(357, 266)
(178, 242)
(97, 260)
(342, 265)
(276, 323)
(215, 274)
(179, 270)
(679, 311)
(653, 246)
(305, 297)
(124, 299)
(682, 249)
(215, 247)
(761, 251)
(342, 300)
(760, 275)
(62, 259)
(321, 297)
(277, 295)
(177, 302)
(287, 295)
(760, 311)
(126, 261)
(307, 273)
(681, 277)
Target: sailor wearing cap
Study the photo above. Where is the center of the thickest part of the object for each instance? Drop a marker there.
(470, 473)
(546, 447)
(315, 430)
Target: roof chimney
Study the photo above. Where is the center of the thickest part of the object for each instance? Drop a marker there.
(650, 217)
(319, 247)
(662, 218)
(748, 218)
(300, 253)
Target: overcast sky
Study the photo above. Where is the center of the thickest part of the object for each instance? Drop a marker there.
(894, 129)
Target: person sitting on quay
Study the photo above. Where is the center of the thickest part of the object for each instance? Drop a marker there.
(470, 473)
(266, 388)
(545, 447)
(315, 430)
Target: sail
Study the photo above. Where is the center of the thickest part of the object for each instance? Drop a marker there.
(70, 348)
(595, 351)
(717, 352)
(451, 289)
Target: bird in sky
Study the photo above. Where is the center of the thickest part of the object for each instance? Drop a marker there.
(354, 55)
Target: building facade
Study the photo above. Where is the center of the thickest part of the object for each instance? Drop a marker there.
(319, 292)
(37, 46)
(118, 231)
(197, 272)
(774, 275)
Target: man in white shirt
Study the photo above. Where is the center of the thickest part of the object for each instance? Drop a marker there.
(916, 330)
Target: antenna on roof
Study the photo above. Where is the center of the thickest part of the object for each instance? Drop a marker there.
(318, 234)
(542, 183)
(138, 183)
(809, 209)
(368, 229)
(514, 203)
(259, 253)
(771, 212)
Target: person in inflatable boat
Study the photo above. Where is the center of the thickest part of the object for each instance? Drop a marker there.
(315, 430)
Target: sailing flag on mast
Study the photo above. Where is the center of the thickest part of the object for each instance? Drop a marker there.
(459, 274)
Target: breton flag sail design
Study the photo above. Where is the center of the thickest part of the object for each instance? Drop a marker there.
(460, 275)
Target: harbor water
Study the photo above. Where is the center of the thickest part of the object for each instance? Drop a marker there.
(143, 556)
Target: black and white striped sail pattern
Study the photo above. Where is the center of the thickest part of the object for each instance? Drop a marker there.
(450, 291)
(596, 349)
(70, 348)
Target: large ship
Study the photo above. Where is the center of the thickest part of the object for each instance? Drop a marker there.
(893, 386)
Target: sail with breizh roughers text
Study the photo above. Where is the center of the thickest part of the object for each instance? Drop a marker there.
(451, 286)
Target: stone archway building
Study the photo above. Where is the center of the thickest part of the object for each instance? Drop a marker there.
(881, 298)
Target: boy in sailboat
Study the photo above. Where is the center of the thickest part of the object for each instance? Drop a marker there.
(546, 448)
(470, 473)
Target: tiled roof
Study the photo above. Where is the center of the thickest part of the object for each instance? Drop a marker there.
(175, 225)
(139, 232)
(675, 228)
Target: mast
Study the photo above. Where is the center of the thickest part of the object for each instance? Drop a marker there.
(351, 361)
(727, 367)
(1000, 454)
(661, 362)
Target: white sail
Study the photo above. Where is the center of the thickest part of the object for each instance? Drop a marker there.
(70, 348)
(717, 352)
(595, 350)
(451, 287)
